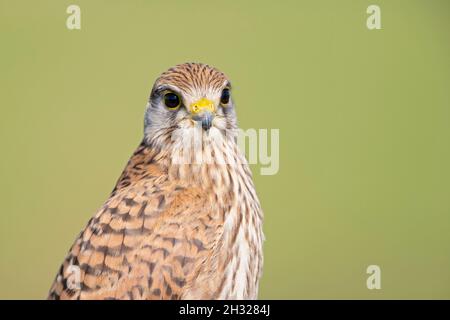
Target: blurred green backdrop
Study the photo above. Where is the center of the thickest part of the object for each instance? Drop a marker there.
(363, 116)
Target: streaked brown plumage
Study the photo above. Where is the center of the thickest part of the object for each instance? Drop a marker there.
(171, 229)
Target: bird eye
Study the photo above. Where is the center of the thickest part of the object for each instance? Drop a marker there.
(172, 100)
(225, 98)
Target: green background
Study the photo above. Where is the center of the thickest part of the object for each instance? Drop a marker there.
(363, 116)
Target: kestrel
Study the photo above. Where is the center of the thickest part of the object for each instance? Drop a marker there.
(184, 220)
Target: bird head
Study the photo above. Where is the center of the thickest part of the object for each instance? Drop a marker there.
(190, 96)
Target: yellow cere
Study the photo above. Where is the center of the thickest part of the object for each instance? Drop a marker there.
(202, 105)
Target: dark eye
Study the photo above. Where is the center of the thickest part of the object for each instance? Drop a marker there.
(171, 100)
(225, 98)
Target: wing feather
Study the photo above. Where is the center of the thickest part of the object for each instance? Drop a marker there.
(148, 241)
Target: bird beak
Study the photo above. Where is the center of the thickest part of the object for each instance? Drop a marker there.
(203, 110)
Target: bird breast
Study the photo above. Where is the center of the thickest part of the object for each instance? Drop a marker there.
(234, 268)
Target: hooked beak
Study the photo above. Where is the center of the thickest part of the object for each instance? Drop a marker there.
(203, 110)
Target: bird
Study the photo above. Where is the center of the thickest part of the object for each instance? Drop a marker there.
(184, 220)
